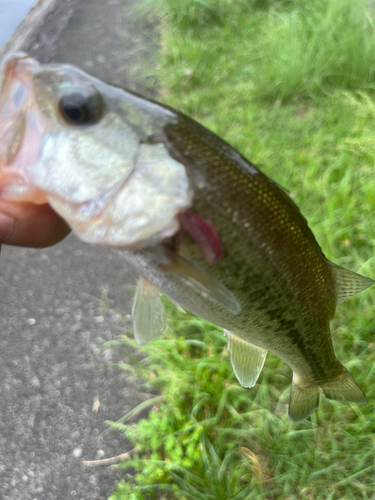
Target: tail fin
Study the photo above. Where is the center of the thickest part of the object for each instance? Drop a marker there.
(344, 388)
(304, 398)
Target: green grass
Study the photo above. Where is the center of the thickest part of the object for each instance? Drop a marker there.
(208, 438)
(290, 85)
(274, 50)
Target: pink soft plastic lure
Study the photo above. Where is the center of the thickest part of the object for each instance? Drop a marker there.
(204, 234)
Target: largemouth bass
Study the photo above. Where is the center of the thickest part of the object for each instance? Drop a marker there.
(198, 221)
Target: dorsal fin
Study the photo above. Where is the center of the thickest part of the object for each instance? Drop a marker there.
(348, 283)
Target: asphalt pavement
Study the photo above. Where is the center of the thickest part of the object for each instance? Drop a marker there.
(59, 305)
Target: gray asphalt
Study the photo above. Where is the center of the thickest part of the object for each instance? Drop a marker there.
(59, 305)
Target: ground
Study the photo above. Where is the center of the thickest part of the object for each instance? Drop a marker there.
(59, 305)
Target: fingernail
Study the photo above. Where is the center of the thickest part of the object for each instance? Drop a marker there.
(6, 227)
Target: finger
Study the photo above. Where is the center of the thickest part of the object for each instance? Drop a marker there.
(30, 225)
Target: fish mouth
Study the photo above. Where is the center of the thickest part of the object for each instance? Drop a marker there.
(21, 124)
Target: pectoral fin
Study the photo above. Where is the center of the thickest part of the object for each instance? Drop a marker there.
(247, 360)
(176, 304)
(203, 282)
(348, 283)
(148, 312)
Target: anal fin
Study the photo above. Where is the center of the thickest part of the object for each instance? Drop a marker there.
(149, 317)
(247, 359)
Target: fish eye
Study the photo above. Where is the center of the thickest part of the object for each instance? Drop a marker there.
(81, 106)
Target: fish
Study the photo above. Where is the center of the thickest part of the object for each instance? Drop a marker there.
(197, 221)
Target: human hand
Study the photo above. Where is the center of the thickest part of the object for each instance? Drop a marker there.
(29, 225)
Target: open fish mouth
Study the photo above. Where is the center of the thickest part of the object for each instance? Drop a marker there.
(83, 146)
(21, 126)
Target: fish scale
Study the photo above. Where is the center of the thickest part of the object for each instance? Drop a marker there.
(198, 221)
(273, 226)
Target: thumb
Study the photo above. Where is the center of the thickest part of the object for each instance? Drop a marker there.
(29, 225)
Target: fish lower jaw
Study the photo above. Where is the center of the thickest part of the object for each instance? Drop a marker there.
(122, 236)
